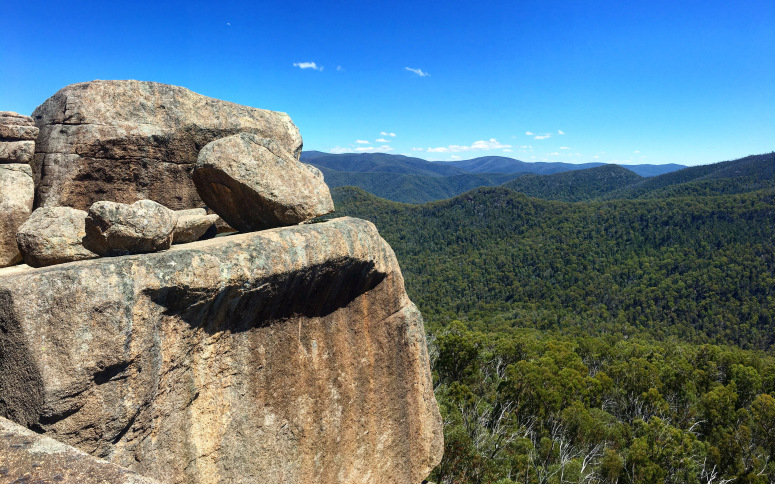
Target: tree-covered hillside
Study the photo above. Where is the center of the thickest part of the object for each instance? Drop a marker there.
(747, 174)
(573, 186)
(702, 270)
(628, 341)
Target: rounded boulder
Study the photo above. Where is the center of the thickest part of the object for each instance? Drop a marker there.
(254, 184)
(114, 228)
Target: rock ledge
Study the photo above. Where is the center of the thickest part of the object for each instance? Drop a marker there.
(287, 355)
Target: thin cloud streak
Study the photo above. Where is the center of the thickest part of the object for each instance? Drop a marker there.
(419, 72)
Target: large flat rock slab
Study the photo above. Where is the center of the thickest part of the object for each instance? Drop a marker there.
(124, 141)
(27, 457)
(287, 355)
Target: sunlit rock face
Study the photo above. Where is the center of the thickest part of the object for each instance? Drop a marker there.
(286, 355)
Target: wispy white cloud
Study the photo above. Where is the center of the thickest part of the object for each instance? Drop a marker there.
(385, 133)
(383, 140)
(454, 157)
(362, 142)
(228, 24)
(482, 145)
(418, 149)
(559, 131)
(541, 135)
(339, 150)
(636, 151)
(339, 68)
(507, 151)
(419, 72)
(564, 148)
(554, 153)
(308, 65)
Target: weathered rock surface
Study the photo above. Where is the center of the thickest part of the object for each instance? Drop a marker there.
(254, 184)
(114, 228)
(16, 151)
(16, 197)
(10, 118)
(288, 355)
(27, 457)
(194, 224)
(129, 140)
(12, 133)
(53, 235)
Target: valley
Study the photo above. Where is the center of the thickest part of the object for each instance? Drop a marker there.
(597, 323)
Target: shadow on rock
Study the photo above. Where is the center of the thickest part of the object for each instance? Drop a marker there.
(314, 291)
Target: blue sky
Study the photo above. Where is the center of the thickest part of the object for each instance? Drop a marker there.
(575, 81)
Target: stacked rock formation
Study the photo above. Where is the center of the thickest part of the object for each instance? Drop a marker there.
(17, 145)
(124, 141)
(289, 354)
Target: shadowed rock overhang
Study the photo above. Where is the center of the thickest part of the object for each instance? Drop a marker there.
(287, 355)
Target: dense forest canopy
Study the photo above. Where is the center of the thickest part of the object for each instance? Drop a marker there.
(628, 340)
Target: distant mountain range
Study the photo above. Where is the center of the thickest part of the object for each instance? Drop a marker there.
(386, 163)
(501, 164)
(413, 188)
(413, 180)
(378, 163)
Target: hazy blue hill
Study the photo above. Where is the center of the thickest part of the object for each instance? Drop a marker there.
(747, 174)
(575, 186)
(413, 188)
(654, 170)
(378, 163)
(502, 164)
(387, 163)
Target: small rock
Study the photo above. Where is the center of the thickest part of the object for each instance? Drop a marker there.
(194, 224)
(114, 228)
(17, 192)
(10, 118)
(53, 235)
(16, 151)
(14, 133)
(254, 184)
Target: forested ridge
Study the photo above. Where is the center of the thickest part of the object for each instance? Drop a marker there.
(702, 270)
(611, 341)
(574, 186)
(413, 188)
